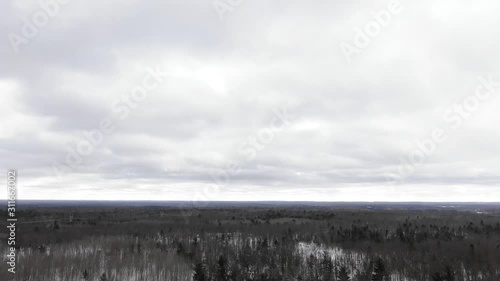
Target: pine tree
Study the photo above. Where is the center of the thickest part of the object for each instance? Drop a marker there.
(222, 268)
(103, 277)
(85, 275)
(199, 272)
(379, 271)
(343, 274)
(437, 277)
(449, 274)
(327, 266)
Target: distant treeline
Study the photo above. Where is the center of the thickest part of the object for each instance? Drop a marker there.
(256, 243)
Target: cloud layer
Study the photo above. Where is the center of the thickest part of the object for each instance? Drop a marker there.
(226, 71)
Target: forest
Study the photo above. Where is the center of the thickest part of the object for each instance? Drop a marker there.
(256, 242)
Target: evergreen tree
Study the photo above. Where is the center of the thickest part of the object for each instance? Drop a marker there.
(449, 274)
(379, 270)
(85, 275)
(103, 277)
(199, 272)
(343, 274)
(327, 265)
(222, 268)
(437, 277)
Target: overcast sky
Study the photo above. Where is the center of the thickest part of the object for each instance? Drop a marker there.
(251, 100)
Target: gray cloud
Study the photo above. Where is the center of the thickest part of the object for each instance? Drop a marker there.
(353, 122)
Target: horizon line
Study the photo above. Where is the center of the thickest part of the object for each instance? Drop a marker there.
(243, 201)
